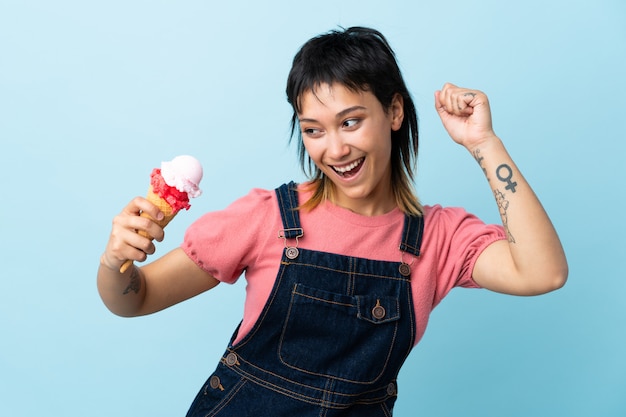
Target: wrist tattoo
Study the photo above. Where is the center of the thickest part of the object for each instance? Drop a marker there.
(503, 205)
(480, 159)
(135, 282)
(508, 174)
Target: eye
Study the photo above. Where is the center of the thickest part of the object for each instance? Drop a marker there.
(311, 132)
(351, 123)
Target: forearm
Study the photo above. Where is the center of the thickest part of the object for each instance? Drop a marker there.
(538, 259)
(122, 293)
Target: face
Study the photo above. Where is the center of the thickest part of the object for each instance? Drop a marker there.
(347, 135)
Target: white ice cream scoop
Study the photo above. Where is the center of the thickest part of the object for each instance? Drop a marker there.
(184, 173)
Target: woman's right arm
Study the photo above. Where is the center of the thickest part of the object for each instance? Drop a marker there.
(138, 291)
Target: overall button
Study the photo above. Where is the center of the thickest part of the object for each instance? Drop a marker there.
(378, 312)
(391, 389)
(405, 269)
(215, 383)
(231, 359)
(291, 252)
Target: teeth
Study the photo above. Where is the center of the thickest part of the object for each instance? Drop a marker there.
(348, 167)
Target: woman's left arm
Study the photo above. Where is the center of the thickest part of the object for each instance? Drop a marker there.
(531, 261)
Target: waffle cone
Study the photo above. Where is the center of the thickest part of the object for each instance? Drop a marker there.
(168, 215)
(163, 205)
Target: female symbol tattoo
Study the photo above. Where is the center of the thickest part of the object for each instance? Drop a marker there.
(510, 185)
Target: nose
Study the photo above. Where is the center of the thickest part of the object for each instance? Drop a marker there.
(337, 148)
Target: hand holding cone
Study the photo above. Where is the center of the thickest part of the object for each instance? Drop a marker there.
(170, 189)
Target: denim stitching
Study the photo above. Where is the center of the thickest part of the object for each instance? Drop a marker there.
(308, 399)
(386, 411)
(324, 300)
(290, 263)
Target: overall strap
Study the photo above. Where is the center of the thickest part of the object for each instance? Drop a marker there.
(288, 202)
(287, 195)
(412, 234)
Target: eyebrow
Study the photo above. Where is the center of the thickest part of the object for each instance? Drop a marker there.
(339, 115)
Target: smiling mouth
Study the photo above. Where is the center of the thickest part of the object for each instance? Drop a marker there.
(350, 169)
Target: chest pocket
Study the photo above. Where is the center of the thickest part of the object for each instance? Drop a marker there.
(334, 335)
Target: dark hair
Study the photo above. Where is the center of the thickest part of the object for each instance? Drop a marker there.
(362, 60)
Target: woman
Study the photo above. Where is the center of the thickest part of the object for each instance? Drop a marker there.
(343, 270)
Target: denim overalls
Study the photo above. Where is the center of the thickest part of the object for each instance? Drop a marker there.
(329, 341)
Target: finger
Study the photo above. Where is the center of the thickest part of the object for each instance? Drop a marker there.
(133, 231)
(140, 215)
(457, 100)
(151, 228)
(447, 93)
(134, 246)
(141, 205)
(464, 101)
(139, 247)
(444, 98)
(145, 225)
(440, 107)
(118, 250)
(449, 87)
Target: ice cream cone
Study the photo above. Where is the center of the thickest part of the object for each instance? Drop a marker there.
(171, 186)
(167, 211)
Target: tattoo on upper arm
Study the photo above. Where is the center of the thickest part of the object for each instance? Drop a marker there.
(135, 282)
(508, 174)
(503, 205)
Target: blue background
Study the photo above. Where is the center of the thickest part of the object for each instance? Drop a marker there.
(93, 94)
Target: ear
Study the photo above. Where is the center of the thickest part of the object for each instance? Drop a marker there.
(396, 110)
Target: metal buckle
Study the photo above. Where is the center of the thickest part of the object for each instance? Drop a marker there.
(291, 252)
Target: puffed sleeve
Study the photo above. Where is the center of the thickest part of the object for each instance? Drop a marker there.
(459, 239)
(225, 242)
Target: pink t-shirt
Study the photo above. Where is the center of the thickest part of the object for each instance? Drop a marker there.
(244, 238)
